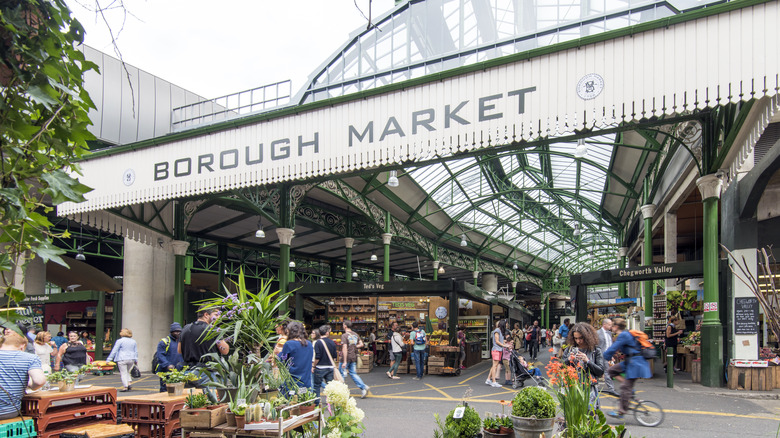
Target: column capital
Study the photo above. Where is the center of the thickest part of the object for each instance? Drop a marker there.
(285, 235)
(179, 247)
(348, 242)
(514, 285)
(648, 211)
(386, 238)
(710, 186)
(435, 264)
(623, 251)
(475, 274)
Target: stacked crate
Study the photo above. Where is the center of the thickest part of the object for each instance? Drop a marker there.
(368, 363)
(93, 405)
(153, 416)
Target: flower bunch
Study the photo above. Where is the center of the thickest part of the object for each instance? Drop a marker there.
(572, 388)
(345, 419)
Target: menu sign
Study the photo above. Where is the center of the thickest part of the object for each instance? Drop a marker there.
(746, 316)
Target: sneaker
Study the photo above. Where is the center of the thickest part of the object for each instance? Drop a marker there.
(507, 382)
(615, 414)
(364, 392)
(461, 367)
(489, 382)
(495, 385)
(415, 378)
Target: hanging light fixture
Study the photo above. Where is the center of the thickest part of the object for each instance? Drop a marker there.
(463, 240)
(441, 269)
(292, 263)
(582, 149)
(80, 255)
(392, 179)
(373, 257)
(354, 275)
(514, 266)
(577, 231)
(260, 234)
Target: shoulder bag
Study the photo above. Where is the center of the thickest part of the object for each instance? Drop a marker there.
(336, 373)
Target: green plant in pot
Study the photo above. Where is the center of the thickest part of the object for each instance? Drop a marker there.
(175, 379)
(490, 424)
(468, 426)
(233, 373)
(533, 412)
(197, 401)
(505, 424)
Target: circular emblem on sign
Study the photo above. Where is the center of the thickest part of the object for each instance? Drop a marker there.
(128, 177)
(441, 312)
(590, 86)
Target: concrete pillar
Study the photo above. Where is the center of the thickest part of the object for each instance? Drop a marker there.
(670, 245)
(490, 282)
(33, 280)
(147, 307)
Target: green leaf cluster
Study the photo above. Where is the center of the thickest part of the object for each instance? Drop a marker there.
(177, 376)
(197, 401)
(466, 427)
(533, 401)
(595, 426)
(43, 126)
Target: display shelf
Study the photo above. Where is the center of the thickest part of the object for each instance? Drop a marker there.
(477, 325)
(658, 320)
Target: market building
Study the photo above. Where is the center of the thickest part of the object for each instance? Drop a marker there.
(552, 159)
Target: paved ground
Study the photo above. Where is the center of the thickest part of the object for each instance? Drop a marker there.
(405, 408)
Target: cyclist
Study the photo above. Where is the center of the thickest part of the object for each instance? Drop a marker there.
(634, 365)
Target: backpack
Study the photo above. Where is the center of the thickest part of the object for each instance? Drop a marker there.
(419, 337)
(646, 348)
(155, 360)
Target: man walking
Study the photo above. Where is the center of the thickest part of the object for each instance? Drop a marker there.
(605, 341)
(324, 352)
(419, 340)
(193, 346)
(167, 357)
(533, 344)
(350, 344)
(396, 344)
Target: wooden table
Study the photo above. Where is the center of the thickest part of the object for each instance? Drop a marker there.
(234, 432)
(91, 405)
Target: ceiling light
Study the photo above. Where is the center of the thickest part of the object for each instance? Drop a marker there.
(515, 265)
(80, 255)
(260, 234)
(577, 231)
(354, 275)
(373, 257)
(463, 240)
(441, 269)
(292, 263)
(392, 180)
(322, 279)
(582, 149)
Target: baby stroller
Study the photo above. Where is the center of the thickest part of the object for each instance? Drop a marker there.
(520, 373)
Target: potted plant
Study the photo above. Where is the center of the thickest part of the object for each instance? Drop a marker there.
(240, 411)
(533, 412)
(307, 397)
(467, 426)
(64, 379)
(490, 427)
(505, 425)
(175, 379)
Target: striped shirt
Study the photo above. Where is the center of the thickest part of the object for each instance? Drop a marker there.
(14, 366)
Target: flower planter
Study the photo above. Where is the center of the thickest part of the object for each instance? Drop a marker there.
(231, 418)
(506, 431)
(175, 388)
(66, 387)
(302, 410)
(240, 421)
(532, 427)
(495, 433)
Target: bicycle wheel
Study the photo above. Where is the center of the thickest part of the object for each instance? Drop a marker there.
(648, 413)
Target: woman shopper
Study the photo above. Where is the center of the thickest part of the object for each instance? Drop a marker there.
(71, 355)
(496, 352)
(125, 354)
(672, 339)
(298, 354)
(44, 349)
(462, 346)
(397, 351)
(557, 341)
(584, 353)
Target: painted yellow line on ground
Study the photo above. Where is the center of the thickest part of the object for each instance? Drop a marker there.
(506, 391)
(717, 414)
(439, 391)
(475, 375)
(389, 384)
(423, 390)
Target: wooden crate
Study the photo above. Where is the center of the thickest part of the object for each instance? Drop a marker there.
(435, 370)
(696, 371)
(403, 367)
(203, 418)
(750, 379)
(436, 361)
(775, 370)
(99, 431)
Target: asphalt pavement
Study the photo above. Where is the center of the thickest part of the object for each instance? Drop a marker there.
(406, 407)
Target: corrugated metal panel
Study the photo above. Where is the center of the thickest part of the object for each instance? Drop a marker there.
(700, 77)
(768, 139)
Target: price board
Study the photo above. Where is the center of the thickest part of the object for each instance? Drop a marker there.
(746, 316)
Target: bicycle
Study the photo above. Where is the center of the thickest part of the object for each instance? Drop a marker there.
(647, 413)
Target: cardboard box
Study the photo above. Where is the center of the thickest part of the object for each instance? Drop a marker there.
(203, 418)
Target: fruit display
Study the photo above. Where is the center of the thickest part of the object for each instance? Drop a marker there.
(439, 337)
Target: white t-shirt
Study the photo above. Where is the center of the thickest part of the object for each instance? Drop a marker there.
(543, 333)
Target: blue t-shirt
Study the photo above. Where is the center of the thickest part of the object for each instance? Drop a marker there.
(564, 331)
(14, 377)
(299, 360)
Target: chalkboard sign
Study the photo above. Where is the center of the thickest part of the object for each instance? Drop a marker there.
(746, 316)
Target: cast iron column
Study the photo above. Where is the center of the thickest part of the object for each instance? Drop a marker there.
(622, 253)
(647, 301)
(435, 270)
(100, 323)
(711, 328)
(285, 236)
(179, 248)
(386, 242)
(348, 242)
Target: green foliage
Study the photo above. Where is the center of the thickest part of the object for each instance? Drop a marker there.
(490, 423)
(67, 376)
(442, 430)
(43, 127)
(533, 401)
(196, 401)
(506, 421)
(682, 300)
(176, 376)
(466, 427)
(595, 426)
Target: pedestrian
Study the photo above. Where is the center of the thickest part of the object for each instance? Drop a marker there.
(59, 340)
(635, 366)
(72, 355)
(605, 341)
(517, 337)
(44, 349)
(397, 351)
(557, 341)
(125, 354)
(350, 348)
(281, 332)
(19, 370)
(564, 330)
(322, 367)
(506, 356)
(671, 339)
(29, 332)
(372, 343)
(194, 345)
(298, 355)
(85, 339)
(543, 337)
(533, 342)
(584, 353)
(462, 346)
(419, 342)
(496, 353)
(526, 338)
(167, 355)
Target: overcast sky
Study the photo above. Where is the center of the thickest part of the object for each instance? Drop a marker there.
(218, 48)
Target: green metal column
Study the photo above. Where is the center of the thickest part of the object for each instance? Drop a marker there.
(386, 237)
(179, 245)
(299, 306)
(711, 327)
(348, 242)
(622, 253)
(435, 270)
(100, 325)
(647, 214)
(285, 238)
(222, 266)
(547, 311)
(452, 326)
